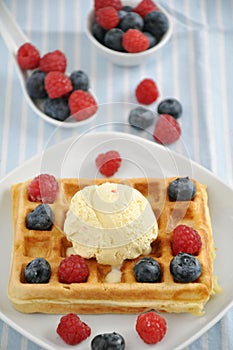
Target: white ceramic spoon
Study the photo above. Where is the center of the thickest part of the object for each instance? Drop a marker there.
(14, 38)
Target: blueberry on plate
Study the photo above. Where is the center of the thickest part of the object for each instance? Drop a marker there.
(156, 23)
(170, 106)
(147, 270)
(79, 80)
(108, 341)
(131, 20)
(185, 268)
(37, 271)
(35, 85)
(113, 39)
(181, 189)
(41, 218)
(57, 108)
(141, 118)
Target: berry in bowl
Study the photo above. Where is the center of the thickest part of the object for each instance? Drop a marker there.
(128, 32)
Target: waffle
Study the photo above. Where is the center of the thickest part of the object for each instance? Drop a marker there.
(96, 295)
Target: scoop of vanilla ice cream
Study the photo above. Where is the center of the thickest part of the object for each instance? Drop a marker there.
(111, 222)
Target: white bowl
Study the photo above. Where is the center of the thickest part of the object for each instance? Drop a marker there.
(124, 58)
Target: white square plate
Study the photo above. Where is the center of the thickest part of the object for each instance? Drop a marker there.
(141, 158)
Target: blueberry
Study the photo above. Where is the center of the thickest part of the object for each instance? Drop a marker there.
(141, 118)
(127, 8)
(79, 80)
(113, 39)
(152, 39)
(57, 108)
(181, 189)
(185, 268)
(131, 20)
(41, 218)
(98, 32)
(147, 270)
(156, 23)
(122, 14)
(108, 341)
(170, 106)
(37, 271)
(35, 85)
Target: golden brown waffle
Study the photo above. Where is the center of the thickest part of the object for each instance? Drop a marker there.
(96, 295)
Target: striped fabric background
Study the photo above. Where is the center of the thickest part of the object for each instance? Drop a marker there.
(195, 67)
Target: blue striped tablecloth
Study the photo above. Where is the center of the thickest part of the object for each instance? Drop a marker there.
(195, 67)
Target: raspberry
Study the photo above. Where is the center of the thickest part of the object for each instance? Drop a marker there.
(144, 7)
(186, 240)
(82, 105)
(104, 3)
(107, 17)
(73, 269)
(135, 41)
(72, 330)
(43, 188)
(147, 92)
(167, 129)
(108, 163)
(28, 56)
(151, 327)
(57, 84)
(53, 61)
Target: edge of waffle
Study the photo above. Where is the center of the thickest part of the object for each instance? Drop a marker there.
(96, 295)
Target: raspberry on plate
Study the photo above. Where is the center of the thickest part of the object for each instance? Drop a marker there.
(28, 56)
(82, 105)
(107, 17)
(43, 187)
(73, 269)
(135, 41)
(167, 130)
(185, 239)
(151, 327)
(57, 84)
(147, 92)
(53, 61)
(72, 330)
(108, 163)
(144, 7)
(104, 3)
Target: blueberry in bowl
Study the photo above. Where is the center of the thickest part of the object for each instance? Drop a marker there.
(138, 42)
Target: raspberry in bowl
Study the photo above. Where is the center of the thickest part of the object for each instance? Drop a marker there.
(128, 32)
